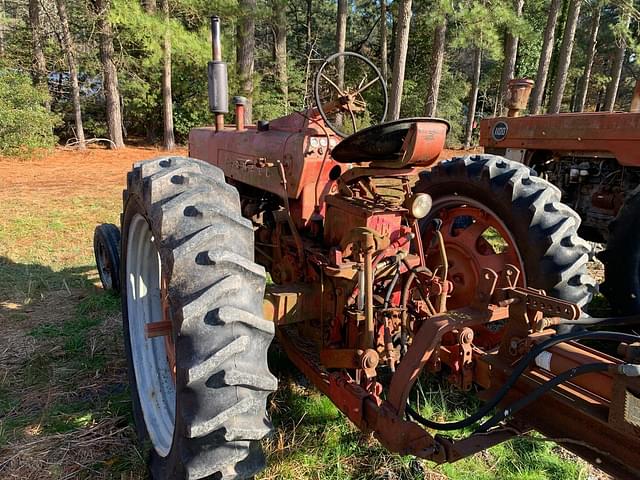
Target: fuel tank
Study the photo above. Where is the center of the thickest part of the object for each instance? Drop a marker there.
(300, 141)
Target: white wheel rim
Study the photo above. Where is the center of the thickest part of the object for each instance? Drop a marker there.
(156, 388)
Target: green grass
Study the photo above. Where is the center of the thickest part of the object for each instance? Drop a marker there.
(313, 440)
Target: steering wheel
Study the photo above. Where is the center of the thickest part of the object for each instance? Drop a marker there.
(350, 93)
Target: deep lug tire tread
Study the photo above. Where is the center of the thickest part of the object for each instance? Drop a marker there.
(621, 258)
(545, 229)
(216, 292)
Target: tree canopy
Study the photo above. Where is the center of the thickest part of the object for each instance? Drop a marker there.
(289, 41)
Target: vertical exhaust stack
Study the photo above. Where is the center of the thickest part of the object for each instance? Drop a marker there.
(217, 74)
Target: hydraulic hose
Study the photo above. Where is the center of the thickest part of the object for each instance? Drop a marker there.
(602, 321)
(392, 285)
(520, 367)
(541, 390)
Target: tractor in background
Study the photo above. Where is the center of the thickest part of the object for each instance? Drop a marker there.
(594, 159)
(387, 266)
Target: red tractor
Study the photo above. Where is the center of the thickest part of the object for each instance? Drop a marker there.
(593, 159)
(386, 266)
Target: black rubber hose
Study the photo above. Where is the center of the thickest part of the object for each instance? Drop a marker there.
(541, 390)
(520, 367)
(603, 321)
(392, 285)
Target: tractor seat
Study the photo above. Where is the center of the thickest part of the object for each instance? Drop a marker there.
(397, 144)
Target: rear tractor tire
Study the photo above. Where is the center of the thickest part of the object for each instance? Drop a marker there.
(621, 259)
(195, 338)
(478, 194)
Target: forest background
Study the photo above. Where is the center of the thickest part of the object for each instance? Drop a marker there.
(73, 71)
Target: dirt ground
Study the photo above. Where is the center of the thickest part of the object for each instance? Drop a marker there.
(95, 171)
(64, 408)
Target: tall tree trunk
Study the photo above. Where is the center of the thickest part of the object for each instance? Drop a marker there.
(341, 41)
(616, 66)
(341, 37)
(149, 6)
(39, 72)
(473, 95)
(510, 55)
(581, 99)
(435, 74)
(309, 26)
(384, 40)
(545, 57)
(169, 142)
(403, 24)
(246, 38)
(279, 26)
(566, 48)
(2, 27)
(109, 72)
(67, 44)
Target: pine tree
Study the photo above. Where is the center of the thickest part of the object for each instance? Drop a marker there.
(109, 72)
(545, 57)
(245, 52)
(403, 24)
(564, 57)
(591, 52)
(67, 44)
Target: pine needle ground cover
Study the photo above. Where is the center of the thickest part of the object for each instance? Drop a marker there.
(64, 400)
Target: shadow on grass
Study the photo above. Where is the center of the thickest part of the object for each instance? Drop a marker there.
(24, 282)
(62, 375)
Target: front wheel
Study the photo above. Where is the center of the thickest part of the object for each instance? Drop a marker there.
(106, 248)
(495, 212)
(195, 339)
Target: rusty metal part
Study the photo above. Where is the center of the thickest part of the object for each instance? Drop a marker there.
(580, 134)
(442, 298)
(169, 344)
(286, 304)
(367, 413)
(464, 228)
(566, 356)
(459, 358)
(287, 140)
(287, 209)
(157, 329)
(418, 242)
(577, 418)
(426, 341)
(354, 174)
(368, 246)
(409, 141)
(348, 358)
(519, 91)
(580, 401)
(368, 361)
(346, 217)
(240, 103)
